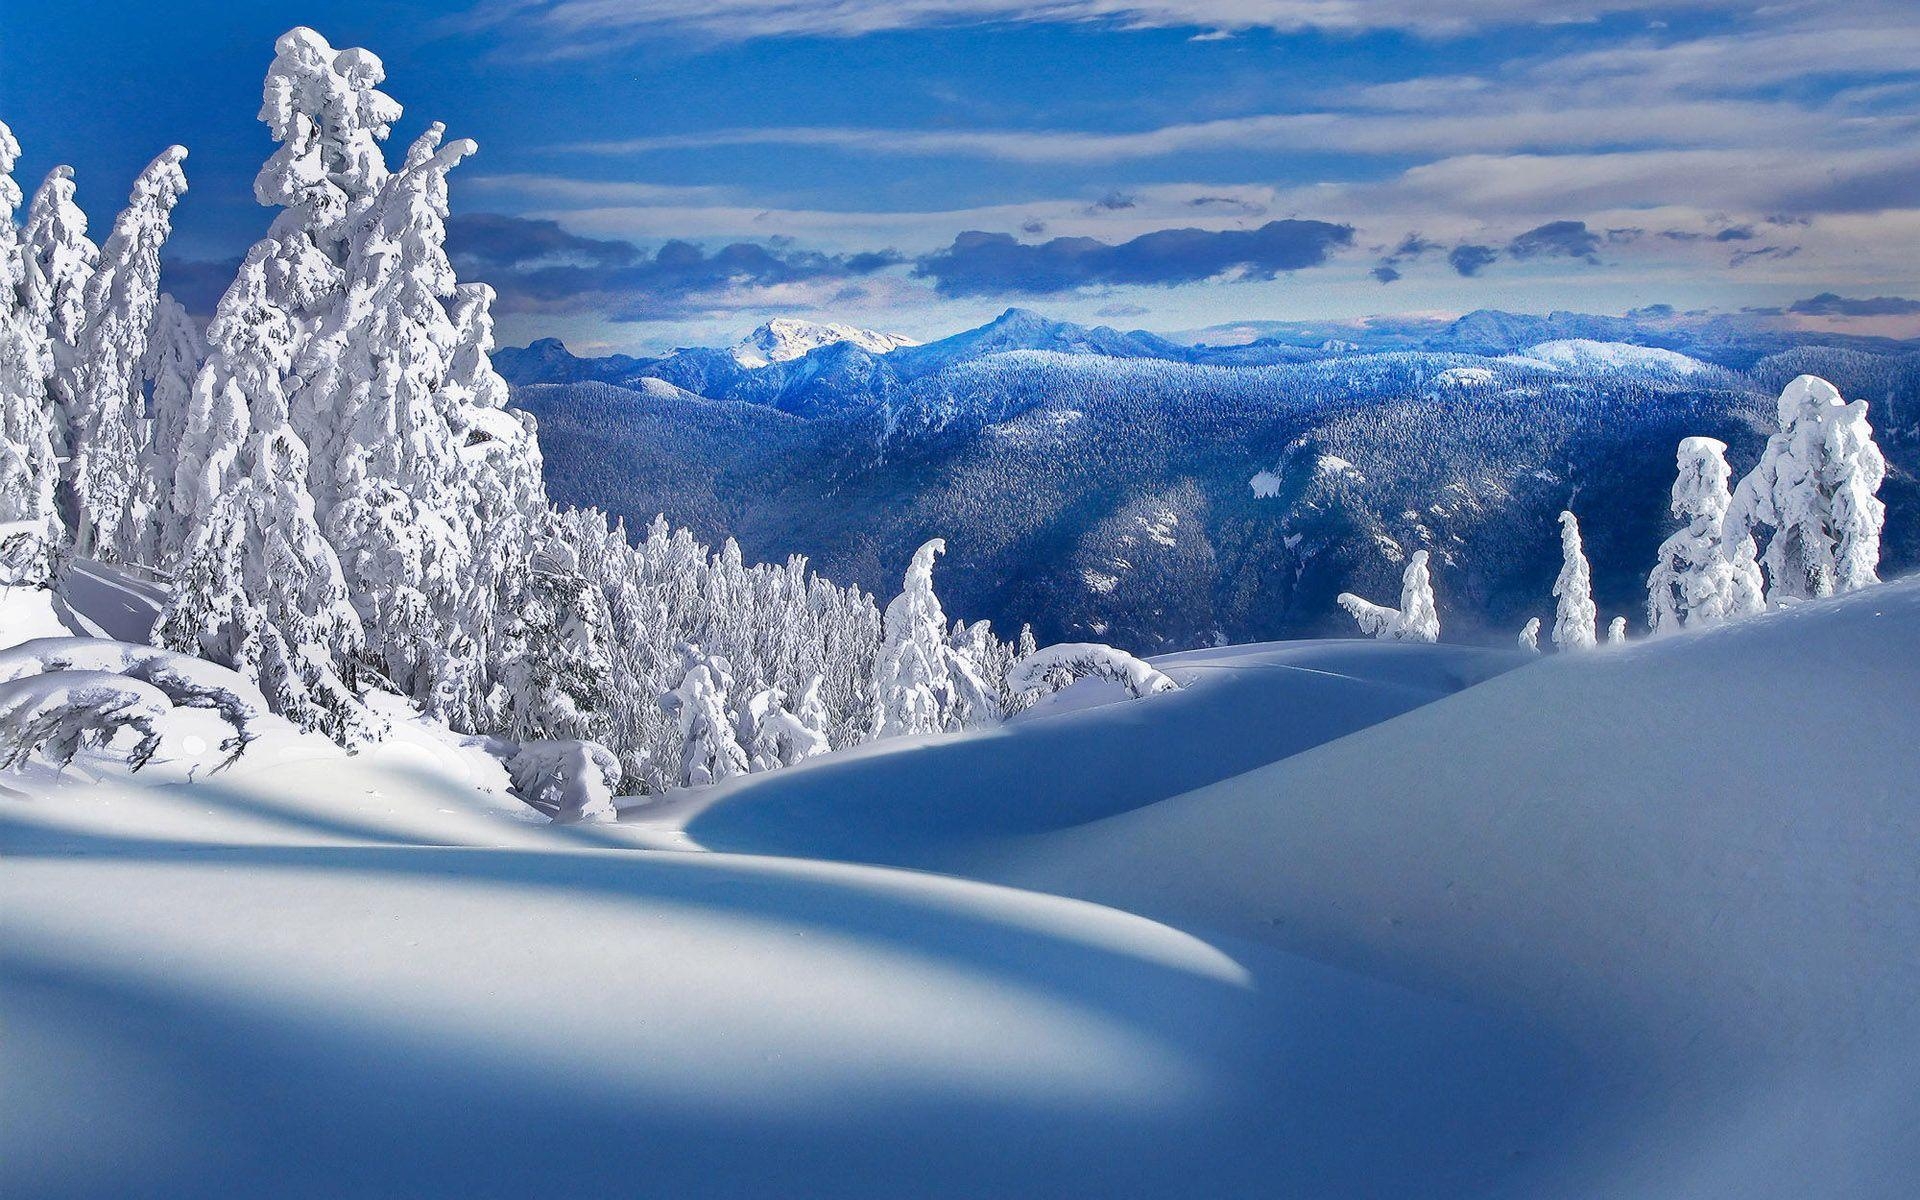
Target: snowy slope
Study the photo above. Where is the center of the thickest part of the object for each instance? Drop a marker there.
(784, 339)
(1341, 919)
(1690, 857)
(1584, 354)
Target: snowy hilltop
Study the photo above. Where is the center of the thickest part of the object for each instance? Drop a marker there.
(784, 339)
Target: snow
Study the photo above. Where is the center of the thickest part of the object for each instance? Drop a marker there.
(784, 339)
(1584, 354)
(1265, 485)
(1336, 918)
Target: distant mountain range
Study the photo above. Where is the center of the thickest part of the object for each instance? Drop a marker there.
(1161, 492)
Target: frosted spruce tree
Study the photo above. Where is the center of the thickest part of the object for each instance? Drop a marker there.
(1530, 635)
(1416, 620)
(30, 528)
(113, 505)
(1617, 631)
(912, 683)
(1703, 575)
(1812, 495)
(175, 350)
(1575, 617)
(710, 751)
(60, 260)
(259, 589)
(774, 736)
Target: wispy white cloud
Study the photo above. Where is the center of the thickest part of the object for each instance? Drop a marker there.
(584, 27)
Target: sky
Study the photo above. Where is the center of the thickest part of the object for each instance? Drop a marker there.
(674, 172)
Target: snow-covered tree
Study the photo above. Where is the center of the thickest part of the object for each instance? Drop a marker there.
(1812, 493)
(30, 528)
(1530, 635)
(1575, 617)
(570, 781)
(108, 421)
(1416, 620)
(1052, 668)
(774, 736)
(912, 679)
(175, 350)
(710, 750)
(60, 260)
(556, 660)
(1617, 631)
(260, 590)
(1706, 573)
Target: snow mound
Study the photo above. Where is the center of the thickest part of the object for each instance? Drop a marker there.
(784, 339)
(1584, 354)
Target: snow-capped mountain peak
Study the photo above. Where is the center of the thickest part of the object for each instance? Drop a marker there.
(784, 338)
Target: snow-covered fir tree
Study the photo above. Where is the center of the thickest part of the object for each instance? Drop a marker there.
(1575, 617)
(175, 351)
(1617, 631)
(112, 503)
(912, 679)
(30, 528)
(60, 260)
(260, 589)
(1706, 572)
(774, 736)
(1530, 635)
(710, 751)
(1812, 495)
(1416, 620)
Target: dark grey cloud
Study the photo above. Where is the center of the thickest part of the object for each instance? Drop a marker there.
(1385, 273)
(1414, 245)
(980, 263)
(1113, 202)
(1827, 304)
(1735, 233)
(1469, 259)
(1557, 239)
(536, 266)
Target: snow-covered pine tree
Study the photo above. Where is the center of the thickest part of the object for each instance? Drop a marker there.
(1416, 620)
(1575, 616)
(1701, 577)
(60, 259)
(556, 665)
(175, 350)
(773, 736)
(1530, 635)
(912, 683)
(1813, 490)
(30, 528)
(709, 749)
(1854, 471)
(1617, 631)
(110, 432)
(255, 559)
(392, 487)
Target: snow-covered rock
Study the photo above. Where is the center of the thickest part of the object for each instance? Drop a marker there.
(784, 339)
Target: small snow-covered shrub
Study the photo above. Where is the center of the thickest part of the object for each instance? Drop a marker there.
(1050, 669)
(59, 695)
(568, 780)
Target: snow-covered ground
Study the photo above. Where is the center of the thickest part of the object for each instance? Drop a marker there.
(1338, 919)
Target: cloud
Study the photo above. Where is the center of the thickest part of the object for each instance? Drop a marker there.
(1122, 312)
(1385, 273)
(1557, 239)
(537, 266)
(578, 28)
(980, 263)
(1742, 257)
(1470, 259)
(1826, 304)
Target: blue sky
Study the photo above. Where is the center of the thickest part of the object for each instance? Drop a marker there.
(675, 171)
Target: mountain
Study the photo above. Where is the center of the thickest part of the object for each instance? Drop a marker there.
(784, 339)
(1120, 487)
